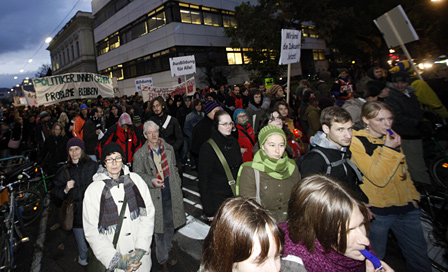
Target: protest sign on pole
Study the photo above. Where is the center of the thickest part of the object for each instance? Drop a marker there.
(146, 81)
(58, 88)
(397, 30)
(30, 98)
(149, 92)
(182, 66)
(290, 52)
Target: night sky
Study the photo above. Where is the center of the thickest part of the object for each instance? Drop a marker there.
(24, 26)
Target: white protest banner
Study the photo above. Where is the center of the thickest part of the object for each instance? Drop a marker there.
(146, 81)
(182, 66)
(58, 88)
(20, 101)
(30, 98)
(291, 44)
(149, 92)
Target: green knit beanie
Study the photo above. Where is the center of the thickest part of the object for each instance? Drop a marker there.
(268, 131)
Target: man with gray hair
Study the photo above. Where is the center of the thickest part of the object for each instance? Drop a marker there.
(155, 162)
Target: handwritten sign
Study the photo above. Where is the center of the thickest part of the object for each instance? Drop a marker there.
(291, 45)
(182, 66)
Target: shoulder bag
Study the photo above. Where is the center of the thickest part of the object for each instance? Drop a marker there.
(94, 264)
(66, 213)
(224, 163)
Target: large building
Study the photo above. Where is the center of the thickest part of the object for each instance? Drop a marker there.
(135, 39)
(73, 48)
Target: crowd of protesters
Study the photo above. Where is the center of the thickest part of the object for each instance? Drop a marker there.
(248, 140)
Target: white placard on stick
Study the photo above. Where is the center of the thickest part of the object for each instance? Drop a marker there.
(291, 44)
(182, 66)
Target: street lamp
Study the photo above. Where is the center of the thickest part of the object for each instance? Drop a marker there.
(48, 40)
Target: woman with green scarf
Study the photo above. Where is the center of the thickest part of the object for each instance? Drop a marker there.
(271, 176)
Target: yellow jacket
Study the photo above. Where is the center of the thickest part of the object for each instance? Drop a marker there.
(428, 98)
(387, 181)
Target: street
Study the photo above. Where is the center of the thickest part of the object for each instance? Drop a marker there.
(55, 250)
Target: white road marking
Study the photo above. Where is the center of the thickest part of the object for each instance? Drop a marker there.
(188, 176)
(194, 229)
(191, 192)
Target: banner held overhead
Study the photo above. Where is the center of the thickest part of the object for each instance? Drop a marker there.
(58, 88)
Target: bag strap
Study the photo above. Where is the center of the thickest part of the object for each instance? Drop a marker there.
(167, 122)
(69, 177)
(224, 163)
(120, 223)
(257, 186)
(247, 135)
(327, 161)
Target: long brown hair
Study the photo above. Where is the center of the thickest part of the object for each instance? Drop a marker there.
(320, 208)
(238, 223)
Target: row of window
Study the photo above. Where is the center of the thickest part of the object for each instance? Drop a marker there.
(159, 61)
(175, 12)
(66, 56)
(109, 10)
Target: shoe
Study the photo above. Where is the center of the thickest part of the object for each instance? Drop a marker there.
(82, 262)
(172, 259)
(165, 267)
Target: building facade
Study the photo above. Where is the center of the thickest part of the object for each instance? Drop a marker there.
(136, 38)
(73, 48)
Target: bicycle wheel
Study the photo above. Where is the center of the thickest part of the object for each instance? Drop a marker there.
(5, 253)
(437, 246)
(439, 171)
(30, 205)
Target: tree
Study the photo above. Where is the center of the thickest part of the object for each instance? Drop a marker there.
(44, 70)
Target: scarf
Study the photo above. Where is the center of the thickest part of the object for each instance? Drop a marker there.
(163, 160)
(109, 215)
(320, 261)
(278, 169)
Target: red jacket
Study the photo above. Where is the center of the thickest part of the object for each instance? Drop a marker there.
(238, 101)
(245, 142)
(128, 140)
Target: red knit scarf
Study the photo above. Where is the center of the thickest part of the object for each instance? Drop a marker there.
(163, 160)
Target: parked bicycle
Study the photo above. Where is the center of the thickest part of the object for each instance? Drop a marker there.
(20, 207)
(434, 208)
(436, 154)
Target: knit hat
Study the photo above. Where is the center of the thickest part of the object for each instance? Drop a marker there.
(110, 148)
(400, 77)
(209, 106)
(125, 119)
(273, 90)
(83, 106)
(236, 113)
(268, 131)
(43, 114)
(75, 141)
(137, 119)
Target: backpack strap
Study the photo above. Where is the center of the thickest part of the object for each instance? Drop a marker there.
(167, 122)
(257, 186)
(247, 135)
(224, 163)
(327, 161)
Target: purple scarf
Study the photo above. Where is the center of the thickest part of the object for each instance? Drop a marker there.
(320, 261)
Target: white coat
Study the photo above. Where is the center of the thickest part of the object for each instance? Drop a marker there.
(135, 234)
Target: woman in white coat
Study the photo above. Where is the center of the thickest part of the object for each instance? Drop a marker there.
(101, 208)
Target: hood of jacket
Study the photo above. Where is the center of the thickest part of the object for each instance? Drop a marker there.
(320, 139)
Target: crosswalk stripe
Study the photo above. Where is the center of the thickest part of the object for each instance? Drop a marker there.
(191, 192)
(188, 176)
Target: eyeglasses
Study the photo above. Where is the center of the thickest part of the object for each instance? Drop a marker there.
(226, 124)
(110, 160)
(242, 116)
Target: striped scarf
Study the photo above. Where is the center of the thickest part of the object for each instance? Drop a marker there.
(109, 214)
(163, 160)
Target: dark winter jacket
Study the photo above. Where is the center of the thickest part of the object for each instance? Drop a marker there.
(201, 133)
(90, 137)
(172, 134)
(314, 163)
(54, 151)
(213, 182)
(407, 113)
(82, 174)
